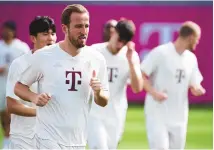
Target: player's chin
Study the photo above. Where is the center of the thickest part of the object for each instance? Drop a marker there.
(81, 45)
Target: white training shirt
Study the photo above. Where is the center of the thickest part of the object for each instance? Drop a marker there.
(7, 54)
(20, 125)
(118, 76)
(172, 73)
(64, 118)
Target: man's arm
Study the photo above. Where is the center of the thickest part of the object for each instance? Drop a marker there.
(148, 66)
(160, 96)
(17, 108)
(31, 75)
(134, 67)
(195, 81)
(24, 92)
(13, 104)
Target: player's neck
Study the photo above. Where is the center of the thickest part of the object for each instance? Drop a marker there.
(69, 48)
(34, 49)
(8, 41)
(111, 50)
(180, 46)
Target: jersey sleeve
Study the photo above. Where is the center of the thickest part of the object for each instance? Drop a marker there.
(151, 61)
(13, 77)
(33, 72)
(26, 48)
(196, 77)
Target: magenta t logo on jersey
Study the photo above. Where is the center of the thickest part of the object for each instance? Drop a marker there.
(74, 75)
(112, 74)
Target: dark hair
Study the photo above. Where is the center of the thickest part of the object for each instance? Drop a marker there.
(126, 30)
(41, 24)
(10, 25)
(65, 17)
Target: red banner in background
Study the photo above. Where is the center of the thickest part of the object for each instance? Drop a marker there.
(155, 25)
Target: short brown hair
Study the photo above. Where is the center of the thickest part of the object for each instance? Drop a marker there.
(189, 28)
(65, 17)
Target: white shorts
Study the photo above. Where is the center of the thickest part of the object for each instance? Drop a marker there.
(162, 136)
(49, 144)
(19, 142)
(103, 134)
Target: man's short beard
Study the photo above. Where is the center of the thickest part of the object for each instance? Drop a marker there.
(75, 43)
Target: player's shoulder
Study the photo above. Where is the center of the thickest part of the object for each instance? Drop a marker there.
(21, 59)
(99, 46)
(46, 50)
(20, 43)
(190, 55)
(94, 54)
(162, 49)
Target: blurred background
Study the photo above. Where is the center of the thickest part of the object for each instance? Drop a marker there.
(156, 23)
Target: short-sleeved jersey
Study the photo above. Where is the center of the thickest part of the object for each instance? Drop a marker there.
(64, 118)
(172, 73)
(118, 75)
(20, 125)
(8, 53)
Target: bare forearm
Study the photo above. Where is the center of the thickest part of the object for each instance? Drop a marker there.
(101, 98)
(24, 92)
(136, 78)
(147, 84)
(17, 108)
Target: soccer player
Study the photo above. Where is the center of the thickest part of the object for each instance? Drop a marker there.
(106, 125)
(22, 128)
(10, 48)
(70, 75)
(170, 70)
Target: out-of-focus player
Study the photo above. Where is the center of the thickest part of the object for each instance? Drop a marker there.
(69, 74)
(170, 70)
(22, 127)
(106, 125)
(10, 48)
(108, 29)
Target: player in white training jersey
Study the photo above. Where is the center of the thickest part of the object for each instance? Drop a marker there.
(68, 73)
(172, 70)
(108, 31)
(22, 127)
(10, 48)
(106, 125)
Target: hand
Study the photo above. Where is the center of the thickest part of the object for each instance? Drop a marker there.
(42, 99)
(95, 83)
(159, 96)
(130, 51)
(197, 90)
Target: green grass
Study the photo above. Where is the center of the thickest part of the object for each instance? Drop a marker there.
(199, 136)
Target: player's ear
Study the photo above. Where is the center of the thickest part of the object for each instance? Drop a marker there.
(65, 28)
(190, 38)
(32, 39)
